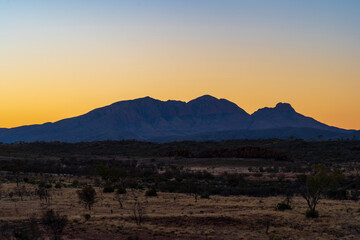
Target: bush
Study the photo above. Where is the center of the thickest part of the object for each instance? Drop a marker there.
(54, 222)
(310, 214)
(87, 195)
(108, 189)
(43, 194)
(283, 206)
(27, 229)
(121, 190)
(205, 195)
(87, 217)
(75, 183)
(151, 192)
(58, 185)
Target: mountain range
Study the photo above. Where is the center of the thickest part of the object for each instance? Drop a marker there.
(204, 118)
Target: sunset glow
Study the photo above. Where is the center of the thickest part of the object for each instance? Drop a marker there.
(60, 59)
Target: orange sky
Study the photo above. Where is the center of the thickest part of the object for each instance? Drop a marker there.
(54, 66)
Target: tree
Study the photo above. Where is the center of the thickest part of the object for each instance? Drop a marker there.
(17, 170)
(139, 211)
(87, 195)
(320, 180)
(120, 197)
(43, 194)
(54, 222)
(21, 191)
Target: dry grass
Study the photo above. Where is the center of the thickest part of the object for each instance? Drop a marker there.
(178, 216)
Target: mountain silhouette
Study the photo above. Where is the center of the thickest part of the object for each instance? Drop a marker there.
(149, 119)
(284, 115)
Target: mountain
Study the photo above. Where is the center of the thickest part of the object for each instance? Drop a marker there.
(149, 119)
(284, 115)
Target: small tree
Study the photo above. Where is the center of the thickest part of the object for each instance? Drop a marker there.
(319, 181)
(43, 194)
(87, 195)
(139, 211)
(21, 191)
(120, 197)
(54, 222)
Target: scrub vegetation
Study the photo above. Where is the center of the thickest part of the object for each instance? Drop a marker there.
(240, 189)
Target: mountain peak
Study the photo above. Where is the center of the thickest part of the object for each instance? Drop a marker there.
(205, 98)
(284, 107)
(147, 98)
(207, 105)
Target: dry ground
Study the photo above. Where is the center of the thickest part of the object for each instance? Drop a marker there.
(178, 216)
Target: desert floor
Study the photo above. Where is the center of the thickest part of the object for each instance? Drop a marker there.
(178, 216)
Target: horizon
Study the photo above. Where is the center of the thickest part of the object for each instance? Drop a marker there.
(205, 95)
(63, 59)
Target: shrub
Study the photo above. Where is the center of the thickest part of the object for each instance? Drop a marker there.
(205, 195)
(312, 214)
(43, 194)
(27, 229)
(87, 196)
(87, 217)
(58, 185)
(54, 222)
(283, 206)
(121, 190)
(151, 192)
(108, 189)
(75, 183)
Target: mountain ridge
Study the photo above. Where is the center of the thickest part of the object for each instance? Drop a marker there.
(148, 118)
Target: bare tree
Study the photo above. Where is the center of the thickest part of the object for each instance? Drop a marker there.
(138, 209)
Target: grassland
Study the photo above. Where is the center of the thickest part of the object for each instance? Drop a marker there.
(209, 190)
(178, 216)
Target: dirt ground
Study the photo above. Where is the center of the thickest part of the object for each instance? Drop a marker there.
(178, 216)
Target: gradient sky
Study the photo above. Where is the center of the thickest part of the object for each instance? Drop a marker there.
(60, 59)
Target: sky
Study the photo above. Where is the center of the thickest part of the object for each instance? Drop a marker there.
(60, 59)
